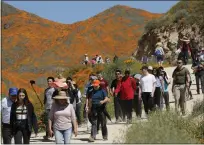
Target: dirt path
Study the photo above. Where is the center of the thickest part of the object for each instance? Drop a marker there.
(116, 131)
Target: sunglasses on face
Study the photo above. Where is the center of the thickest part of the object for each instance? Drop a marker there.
(179, 62)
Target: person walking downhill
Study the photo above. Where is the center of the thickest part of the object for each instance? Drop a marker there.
(198, 69)
(6, 104)
(72, 92)
(159, 90)
(181, 80)
(88, 89)
(117, 106)
(126, 87)
(137, 101)
(48, 103)
(95, 105)
(78, 103)
(166, 91)
(148, 84)
(23, 118)
(61, 117)
(185, 49)
(103, 85)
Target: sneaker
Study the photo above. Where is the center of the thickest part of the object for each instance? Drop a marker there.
(45, 137)
(120, 120)
(117, 121)
(129, 121)
(91, 139)
(105, 138)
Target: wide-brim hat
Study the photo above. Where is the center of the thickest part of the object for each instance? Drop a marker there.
(60, 97)
(185, 39)
(159, 44)
(59, 84)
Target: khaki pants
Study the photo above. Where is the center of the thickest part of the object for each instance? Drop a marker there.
(180, 97)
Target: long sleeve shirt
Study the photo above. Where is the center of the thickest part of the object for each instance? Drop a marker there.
(126, 87)
(61, 117)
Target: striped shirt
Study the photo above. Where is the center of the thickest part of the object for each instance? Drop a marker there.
(21, 112)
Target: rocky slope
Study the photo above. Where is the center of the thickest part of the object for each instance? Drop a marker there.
(184, 19)
(33, 47)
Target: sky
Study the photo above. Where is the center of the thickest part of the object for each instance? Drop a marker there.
(68, 12)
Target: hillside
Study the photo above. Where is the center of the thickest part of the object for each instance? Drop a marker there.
(33, 45)
(185, 18)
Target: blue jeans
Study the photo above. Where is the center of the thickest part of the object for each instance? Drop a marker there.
(63, 136)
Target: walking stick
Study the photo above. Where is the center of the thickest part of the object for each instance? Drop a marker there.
(31, 83)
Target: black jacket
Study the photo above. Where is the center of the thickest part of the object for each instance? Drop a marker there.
(32, 119)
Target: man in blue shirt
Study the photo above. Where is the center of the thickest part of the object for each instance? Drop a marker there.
(5, 115)
(97, 98)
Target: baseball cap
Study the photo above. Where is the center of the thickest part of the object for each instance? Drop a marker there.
(96, 83)
(150, 68)
(13, 91)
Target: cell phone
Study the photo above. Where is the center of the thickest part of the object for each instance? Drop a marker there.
(32, 82)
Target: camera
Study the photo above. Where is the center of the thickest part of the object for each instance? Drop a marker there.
(32, 82)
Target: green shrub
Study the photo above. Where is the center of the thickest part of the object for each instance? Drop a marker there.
(198, 109)
(179, 15)
(152, 25)
(162, 127)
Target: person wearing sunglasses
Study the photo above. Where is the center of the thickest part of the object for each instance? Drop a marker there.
(181, 81)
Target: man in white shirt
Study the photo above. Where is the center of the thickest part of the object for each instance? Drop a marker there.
(5, 115)
(147, 82)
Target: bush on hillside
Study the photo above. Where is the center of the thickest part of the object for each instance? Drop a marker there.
(152, 25)
(179, 15)
(163, 127)
(190, 12)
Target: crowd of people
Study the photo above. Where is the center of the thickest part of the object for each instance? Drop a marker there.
(63, 100)
(186, 48)
(97, 59)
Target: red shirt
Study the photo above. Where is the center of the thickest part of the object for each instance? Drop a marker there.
(126, 87)
(104, 84)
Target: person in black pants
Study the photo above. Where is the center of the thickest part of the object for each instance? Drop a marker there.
(23, 118)
(5, 112)
(148, 83)
(158, 94)
(117, 105)
(199, 74)
(137, 101)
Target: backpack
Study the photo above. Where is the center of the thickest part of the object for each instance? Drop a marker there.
(158, 53)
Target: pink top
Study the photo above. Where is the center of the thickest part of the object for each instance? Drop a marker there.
(62, 116)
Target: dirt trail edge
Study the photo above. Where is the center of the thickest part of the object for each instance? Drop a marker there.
(116, 131)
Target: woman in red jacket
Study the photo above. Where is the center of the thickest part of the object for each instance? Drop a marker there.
(126, 88)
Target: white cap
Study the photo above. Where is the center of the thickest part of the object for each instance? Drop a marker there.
(150, 68)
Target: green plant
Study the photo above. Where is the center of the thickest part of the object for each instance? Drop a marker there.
(40, 114)
(162, 127)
